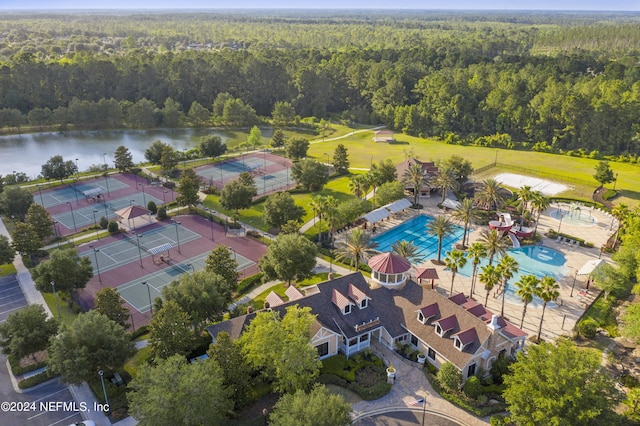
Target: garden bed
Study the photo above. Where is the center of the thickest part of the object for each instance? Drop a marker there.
(364, 374)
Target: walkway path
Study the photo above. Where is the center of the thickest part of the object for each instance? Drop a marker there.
(347, 135)
(410, 384)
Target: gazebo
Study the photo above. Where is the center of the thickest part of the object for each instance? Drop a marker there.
(131, 213)
(427, 274)
(389, 269)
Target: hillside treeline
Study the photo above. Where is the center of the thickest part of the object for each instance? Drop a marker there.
(456, 79)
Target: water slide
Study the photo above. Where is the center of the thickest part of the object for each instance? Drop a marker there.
(514, 240)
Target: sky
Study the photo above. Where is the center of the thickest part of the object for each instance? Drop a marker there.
(612, 5)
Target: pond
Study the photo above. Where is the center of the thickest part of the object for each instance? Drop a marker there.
(27, 153)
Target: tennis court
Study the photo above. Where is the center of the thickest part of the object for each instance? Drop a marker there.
(76, 192)
(139, 295)
(78, 218)
(270, 172)
(134, 247)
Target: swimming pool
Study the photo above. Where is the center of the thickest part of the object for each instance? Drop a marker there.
(415, 231)
(532, 260)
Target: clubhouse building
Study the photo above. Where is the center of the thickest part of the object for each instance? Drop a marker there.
(351, 314)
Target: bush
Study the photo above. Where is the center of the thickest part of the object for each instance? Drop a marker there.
(249, 283)
(169, 184)
(449, 376)
(104, 222)
(113, 227)
(36, 380)
(17, 370)
(139, 332)
(587, 328)
(473, 388)
(499, 420)
(609, 194)
(162, 213)
(151, 206)
(500, 368)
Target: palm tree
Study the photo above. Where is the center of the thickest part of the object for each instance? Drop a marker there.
(356, 247)
(547, 291)
(476, 252)
(408, 250)
(507, 268)
(415, 176)
(374, 178)
(490, 195)
(622, 213)
(331, 215)
(357, 186)
(445, 180)
(525, 195)
(440, 226)
(490, 277)
(527, 286)
(539, 203)
(494, 242)
(318, 205)
(466, 213)
(454, 261)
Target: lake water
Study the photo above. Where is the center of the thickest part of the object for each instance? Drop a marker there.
(28, 152)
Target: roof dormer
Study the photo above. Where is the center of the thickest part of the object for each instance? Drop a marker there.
(273, 299)
(358, 296)
(342, 302)
(464, 338)
(428, 312)
(444, 325)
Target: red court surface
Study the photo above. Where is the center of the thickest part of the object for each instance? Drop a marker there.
(131, 271)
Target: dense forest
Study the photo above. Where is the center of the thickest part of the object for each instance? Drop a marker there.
(552, 82)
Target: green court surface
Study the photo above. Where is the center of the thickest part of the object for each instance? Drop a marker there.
(78, 218)
(140, 295)
(127, 250)
(75, 192)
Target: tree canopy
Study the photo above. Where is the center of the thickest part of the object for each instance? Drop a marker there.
(170, 331)
(27, 331)
(319, 407)
(188, 188)
(310, 174)
(280, 208)
(110, 304)
(176, 393)
(57, 168)
(91, 343)
(289, 257)
(68, 270)
(558, 384)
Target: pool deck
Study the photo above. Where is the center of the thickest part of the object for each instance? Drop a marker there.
(558, 320)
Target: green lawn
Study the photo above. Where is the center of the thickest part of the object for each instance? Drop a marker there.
(279, 289)
(133, 364)
(7, 269)
(363, 151)
(338, 187)
(67, 314)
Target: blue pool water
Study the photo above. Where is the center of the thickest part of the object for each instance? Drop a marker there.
(532, 260)
(415, 231)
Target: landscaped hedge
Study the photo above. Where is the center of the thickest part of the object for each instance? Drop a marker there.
(364, 374)
(139, 332)
(609, 194)
(249, 283)
(17, 370)
(32, 381)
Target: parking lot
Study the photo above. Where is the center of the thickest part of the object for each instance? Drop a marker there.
(11, 297)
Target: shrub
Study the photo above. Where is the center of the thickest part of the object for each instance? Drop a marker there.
(609, 194)
(500, 368)
(169, 184)
(449, 376)
(473, 388)
(499, 420)
(587, 328)
(113, 227)
(162, 213)
(151, 206)
(139, 332)
(104, 222)
(248, 283)
(36, 380)
(17, 370)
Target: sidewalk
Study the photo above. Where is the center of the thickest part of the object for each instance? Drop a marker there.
(410, 385)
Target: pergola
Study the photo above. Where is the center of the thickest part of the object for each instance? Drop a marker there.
(131, 213)
(427, 274)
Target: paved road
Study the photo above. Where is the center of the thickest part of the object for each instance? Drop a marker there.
(11, 297)
(406, 418)
(45, 405)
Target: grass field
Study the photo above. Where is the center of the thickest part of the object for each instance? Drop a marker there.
(338, 187)
(363, 151)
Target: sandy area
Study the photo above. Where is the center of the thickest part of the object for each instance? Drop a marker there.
(518, 181)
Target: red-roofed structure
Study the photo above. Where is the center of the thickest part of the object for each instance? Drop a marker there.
(341, 301)
(389, 269)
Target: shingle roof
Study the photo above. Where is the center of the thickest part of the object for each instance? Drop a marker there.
(458, 299)
(448, 323)
(427, 273)
(430, 311)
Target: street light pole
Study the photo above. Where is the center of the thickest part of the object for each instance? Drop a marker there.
(561, 216)
(574, 283)
(75, 228)
(55, 297)
(75, 189)
(146, 284)
(40, 192)
(106, 400)
(144, 196)
(164, 197)
(106, 172)
(176, 223)
(193, 269)
(615, 182)
(55, 229)
(95, 255)
(95, 224)
(138, 236)
(210, 221)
